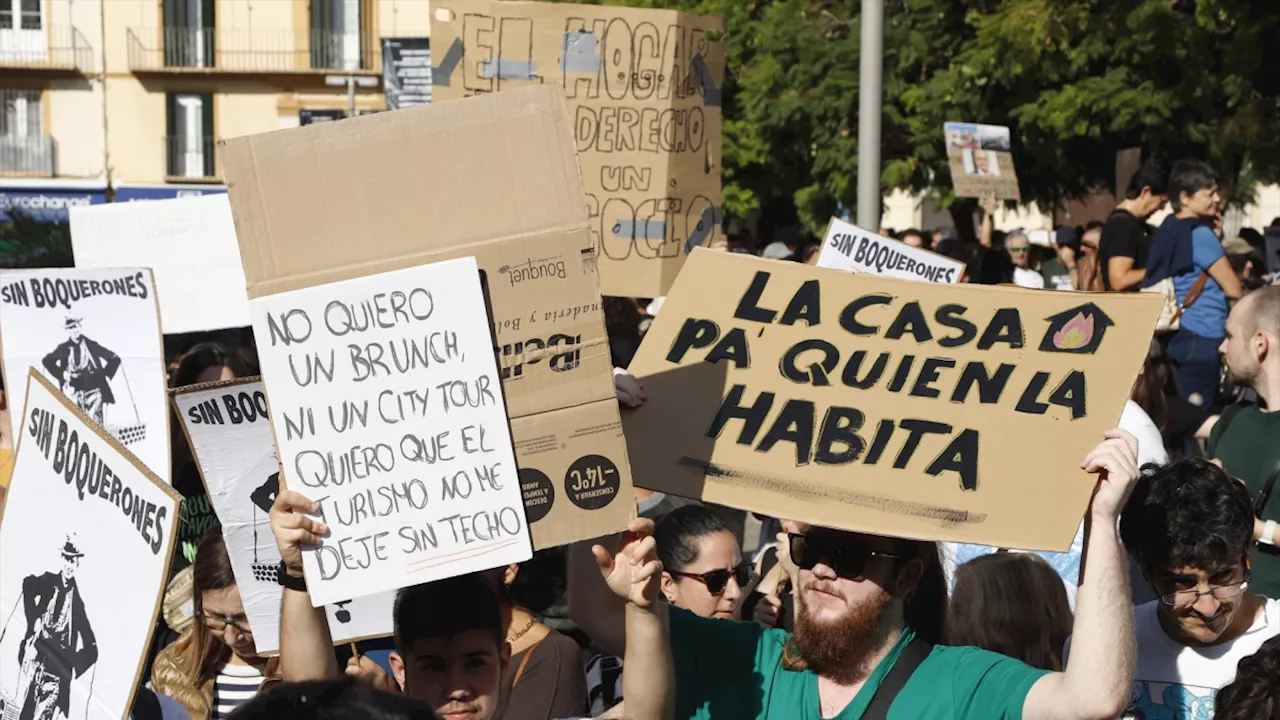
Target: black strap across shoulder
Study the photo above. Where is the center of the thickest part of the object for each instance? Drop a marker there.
(908, 660)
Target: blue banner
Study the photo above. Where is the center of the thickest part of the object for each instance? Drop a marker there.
(134, 193)
(48, 204)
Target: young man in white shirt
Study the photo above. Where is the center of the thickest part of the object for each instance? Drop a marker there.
(1190, 527)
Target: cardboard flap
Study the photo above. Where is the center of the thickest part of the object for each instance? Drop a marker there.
(902, 408)
(306, 215)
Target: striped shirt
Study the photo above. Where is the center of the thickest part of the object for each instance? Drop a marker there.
(234, 685)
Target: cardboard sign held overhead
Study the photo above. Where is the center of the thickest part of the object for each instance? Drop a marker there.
(388, 413)
(900, 408)
(849, 247)
(96, 335)
(86, 534)
(190, 245)
(229, 432)
(491, 177)
(644, 88)
(981, 161)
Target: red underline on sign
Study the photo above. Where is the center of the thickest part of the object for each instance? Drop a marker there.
(421, 565)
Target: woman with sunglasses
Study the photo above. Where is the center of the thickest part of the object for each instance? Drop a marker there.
(703, 571)
(214, 665)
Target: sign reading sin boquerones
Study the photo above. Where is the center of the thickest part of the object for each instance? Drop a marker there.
(644, 87)
(946, 412)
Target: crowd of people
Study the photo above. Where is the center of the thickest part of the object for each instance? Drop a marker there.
(1168, 605)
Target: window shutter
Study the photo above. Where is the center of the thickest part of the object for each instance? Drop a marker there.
(209, 28)
(207, 142)
(171, 141)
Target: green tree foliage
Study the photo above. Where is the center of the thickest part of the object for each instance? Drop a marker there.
(1076, 80)
(26, 242)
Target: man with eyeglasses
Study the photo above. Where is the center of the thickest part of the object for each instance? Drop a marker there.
(1190, 527)
(869, 619)
(1019, 248)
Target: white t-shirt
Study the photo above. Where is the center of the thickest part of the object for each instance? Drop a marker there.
(1028, 278)
(1180, 683)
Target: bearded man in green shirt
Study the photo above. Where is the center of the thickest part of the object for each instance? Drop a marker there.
(869, 610)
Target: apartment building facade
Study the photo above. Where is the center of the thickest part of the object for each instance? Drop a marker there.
(127, 99)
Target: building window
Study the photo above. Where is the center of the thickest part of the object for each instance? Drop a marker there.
(20, 113)
(20, 15)
(24, 148)
(190, 135)
(189, 33)
(336, 39)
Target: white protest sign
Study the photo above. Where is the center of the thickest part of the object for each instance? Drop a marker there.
(190, 244)
(388, 413)
(96, 335)
(850, 248)
(85, 541)
(227, 426)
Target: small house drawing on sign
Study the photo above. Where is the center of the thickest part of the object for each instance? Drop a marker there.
(1078, 330)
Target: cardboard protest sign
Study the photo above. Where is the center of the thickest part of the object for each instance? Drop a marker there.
(86, 534)
(96, 335)
(190, 245)
(388, 413)
(849, 247)
(229, 432)
(644, 88)
(299, 197)
(907, 409)
(981, 161)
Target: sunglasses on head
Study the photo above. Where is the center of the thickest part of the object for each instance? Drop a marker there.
(848, 559)
(716, 580)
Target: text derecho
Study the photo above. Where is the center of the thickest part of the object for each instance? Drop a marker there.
(388, 414)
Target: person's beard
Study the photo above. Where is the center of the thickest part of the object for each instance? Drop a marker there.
(828, 648)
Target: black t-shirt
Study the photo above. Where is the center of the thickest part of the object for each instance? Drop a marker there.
(1124, 235)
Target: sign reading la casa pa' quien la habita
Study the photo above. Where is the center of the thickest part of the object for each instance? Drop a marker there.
(887, 406)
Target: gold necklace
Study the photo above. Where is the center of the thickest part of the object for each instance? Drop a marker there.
(533, 621)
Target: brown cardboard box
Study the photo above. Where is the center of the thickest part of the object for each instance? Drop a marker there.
(644, 88)
(497, 178)
(902, 408)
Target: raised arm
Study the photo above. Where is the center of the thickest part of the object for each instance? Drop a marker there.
(1099, 674)
(306, 647)
(648, 682)
(592, 605)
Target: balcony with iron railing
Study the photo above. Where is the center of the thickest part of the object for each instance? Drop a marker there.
(240, 50)
(191, 158)
(57, 47)
(26, 156)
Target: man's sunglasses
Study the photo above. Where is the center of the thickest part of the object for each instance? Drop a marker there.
(848, 560)
(1020, 249)
(716, 580)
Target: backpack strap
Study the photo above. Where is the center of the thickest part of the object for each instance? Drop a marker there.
(908, 660)
(1193, 294)
(1267, 487)
(524, 662)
